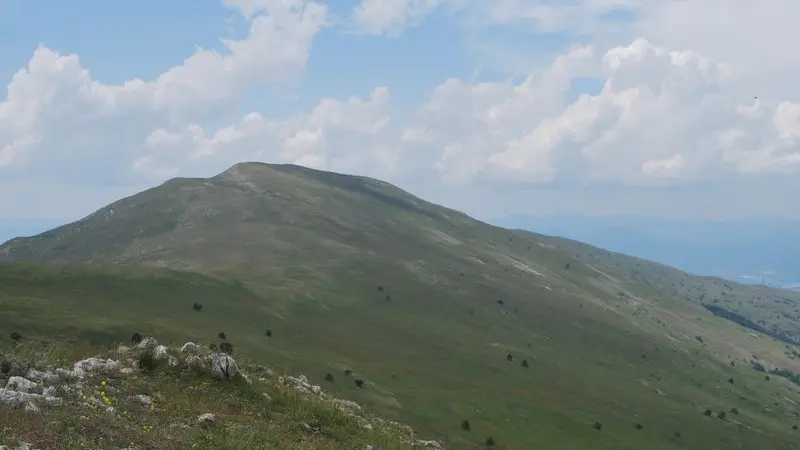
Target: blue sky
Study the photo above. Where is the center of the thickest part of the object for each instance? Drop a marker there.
(510, 106)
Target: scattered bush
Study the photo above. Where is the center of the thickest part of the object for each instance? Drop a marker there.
(794, 427)
(509, 357)
(730, 380)
(226, 347)
(597, 426)
(465, 425)
(360, 383)
(197, 306)
(638, 426)
(348, 372)
(735, 411)
(221, 335)
(329, 377)
(566, 267)
(5, 366)
(524, 363)
(699, 338)
(146, 361)
(212, 346)
(268, 333)
(707, 412)
(489, 442)
(500, 302)
(15, 336)
(722, 415)
(136, 338)
(380, 288)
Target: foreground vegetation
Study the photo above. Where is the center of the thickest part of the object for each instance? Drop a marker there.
(154, 405)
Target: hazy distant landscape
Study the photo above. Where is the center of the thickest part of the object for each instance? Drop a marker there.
(748, 250)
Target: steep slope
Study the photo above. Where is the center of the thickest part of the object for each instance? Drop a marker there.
(425, 304)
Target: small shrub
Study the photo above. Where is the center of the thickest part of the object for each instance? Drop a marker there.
(136, 338)
(146, 361)
(5, 366)
(15, 336)
(197, 306)
(699, 338)
(380, 288)
(268, 333)
(348, 372)
(329, 377)
(638, 426)
(794, 427)
(597, 426)
(226, 347)
(489, 442)
(524, 363)
(360, 383)
(730, 380)
(722, 415)
(212, 346)
(707, 412)
(509, 357)
(735, 411)
(465, 425)
(500, 302)
(221, 335)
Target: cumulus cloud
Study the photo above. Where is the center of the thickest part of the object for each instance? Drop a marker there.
(661, 115)
(54, 106)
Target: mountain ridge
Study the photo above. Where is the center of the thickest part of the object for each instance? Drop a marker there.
(435, 310)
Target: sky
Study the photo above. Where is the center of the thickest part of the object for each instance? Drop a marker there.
(671, 108)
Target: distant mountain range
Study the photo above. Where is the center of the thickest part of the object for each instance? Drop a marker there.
(749, 250)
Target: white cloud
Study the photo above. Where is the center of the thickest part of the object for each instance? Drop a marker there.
(390, 17)
(344, 136)
(661, 115)
(54, 105)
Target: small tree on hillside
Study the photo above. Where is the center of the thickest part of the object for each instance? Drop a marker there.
(136, 338)
(197, 306)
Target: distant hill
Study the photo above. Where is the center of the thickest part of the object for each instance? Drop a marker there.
(743, 250)
(12, 228)
(536, 341)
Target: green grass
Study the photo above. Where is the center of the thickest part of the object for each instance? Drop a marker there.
(432, 375)
(303, 253)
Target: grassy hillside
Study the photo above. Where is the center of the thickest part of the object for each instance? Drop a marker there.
(128, 397)
(425, 304)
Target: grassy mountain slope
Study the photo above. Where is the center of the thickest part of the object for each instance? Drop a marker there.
(424, 304)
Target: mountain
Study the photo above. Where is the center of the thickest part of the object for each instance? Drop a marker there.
(536, 341)
(25, 227)
(746, 250)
